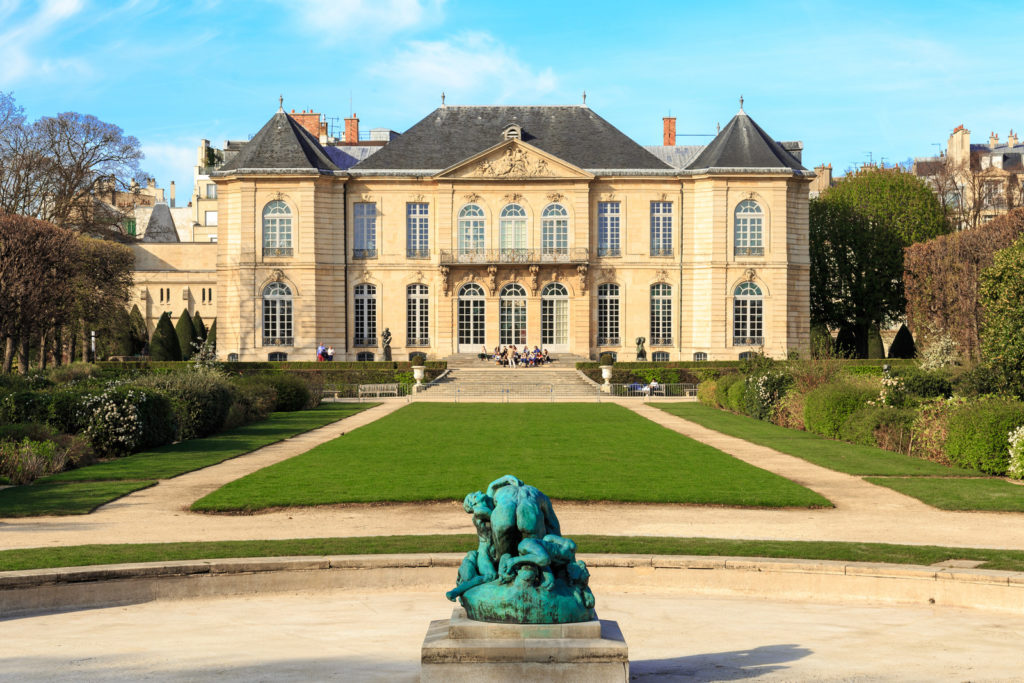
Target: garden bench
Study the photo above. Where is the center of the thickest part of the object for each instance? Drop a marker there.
(378, 390)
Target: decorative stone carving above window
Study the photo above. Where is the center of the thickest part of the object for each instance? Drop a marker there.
(515, 163)
(471, 197)
(512, 198)
(555, 197)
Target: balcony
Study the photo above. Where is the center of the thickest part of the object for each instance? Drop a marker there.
(278, 341)
(661, 341)
(516, 256)
(661, 251)
(417, 341)
(748, 341)
(608, 341)
(609, 251)
(417, 252)
(364, 341)
(749, 251)
(364, 253)
(275, 252)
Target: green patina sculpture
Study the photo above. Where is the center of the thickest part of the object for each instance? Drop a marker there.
(523, 570)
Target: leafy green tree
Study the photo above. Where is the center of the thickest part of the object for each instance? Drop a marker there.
(1002, 299)
(201, 330)
(186, 332)
(164, 344)
(140, 336)
(894, 199)
(903, 344)
(856, 270)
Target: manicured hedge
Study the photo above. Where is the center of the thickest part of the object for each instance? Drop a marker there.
(880, 426)
(979, 433)
(246, 366)
(828, 407)
(926, 384)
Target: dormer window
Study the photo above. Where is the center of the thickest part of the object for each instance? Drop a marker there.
(513, 131)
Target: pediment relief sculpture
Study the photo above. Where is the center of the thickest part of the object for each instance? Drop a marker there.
(514, 163)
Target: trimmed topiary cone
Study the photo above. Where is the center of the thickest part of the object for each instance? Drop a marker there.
(164, 344)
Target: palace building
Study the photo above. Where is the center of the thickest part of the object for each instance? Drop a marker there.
(483, 226)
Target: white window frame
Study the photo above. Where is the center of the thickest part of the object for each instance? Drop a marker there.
(364, 315)
(554, 232)
(748, 229)
(661, 314)
(608, 314)
(747, 315)
(472, 230)
(364, 234)
(661, 228)
(277, 229)
(277, 315)
(417, 230)
(609, 229)
(417, 327)
(512, 231)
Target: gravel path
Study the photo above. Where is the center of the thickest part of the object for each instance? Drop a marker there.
(863, 512)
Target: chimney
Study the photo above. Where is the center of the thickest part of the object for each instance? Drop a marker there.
(310, 120)
(668, 131)
(150, 183)
(1011, 139)
(993, 140)
(352, 129)
(172, 194)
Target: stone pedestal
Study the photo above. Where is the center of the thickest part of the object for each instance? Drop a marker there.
(459, 649)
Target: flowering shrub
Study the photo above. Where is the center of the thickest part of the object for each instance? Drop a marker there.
(1015, 469)
(201, 398)
(893, 393)
(22, 462)
(123, 419)
(940, 352)
(764, 391)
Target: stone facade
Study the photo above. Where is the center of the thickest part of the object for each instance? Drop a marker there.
(350, 234)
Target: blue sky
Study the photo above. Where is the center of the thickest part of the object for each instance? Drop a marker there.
(889, 79)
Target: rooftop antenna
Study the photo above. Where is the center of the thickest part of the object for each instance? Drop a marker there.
(584, 97)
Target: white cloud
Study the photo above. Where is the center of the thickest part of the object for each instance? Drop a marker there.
(358, 20)
(472, 66)
(19, 41)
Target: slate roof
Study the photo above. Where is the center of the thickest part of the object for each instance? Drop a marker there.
(281, 146)
(743, 146)
(452, 134)
(676, 156)
(160, 227)
(350, 155)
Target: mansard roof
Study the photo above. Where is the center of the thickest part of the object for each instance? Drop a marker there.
(452, 134)
(742, 146)
(160, 227)
(281, 146)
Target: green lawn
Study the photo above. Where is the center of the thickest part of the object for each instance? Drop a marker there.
(835, 455)
(82, 555)
(80, 491)
(59, 498)
(429, 451)
(947, 488)
(959, 494)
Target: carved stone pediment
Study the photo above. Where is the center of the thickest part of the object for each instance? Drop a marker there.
(514, 160)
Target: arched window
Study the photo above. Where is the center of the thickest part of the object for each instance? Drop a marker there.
(661, 314)
(608, 314)
(277, 315)
(660, 356)
(554, 233)
(471, 232)
(512, 227)
(554, 315)
(277, 229)
(365, 314)
(747, 315)
(748, 229)
(700, 355)
(417, 320)
(512, 315)
(471, 320)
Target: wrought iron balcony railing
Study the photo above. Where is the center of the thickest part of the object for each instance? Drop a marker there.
(417, 252)
(607, 341)
(521, 256)
(661, 341)
(747, 341)
(417, 341)
(364, 341)
(749, 251)
(277, 341)
(277, 251)
(661, 251)
(609, 251)
(364, 253)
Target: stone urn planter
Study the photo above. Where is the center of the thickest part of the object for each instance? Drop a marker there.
(417, 373)
(606, 373)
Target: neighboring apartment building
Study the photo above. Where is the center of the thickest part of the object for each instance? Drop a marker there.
(484, 226)
(975, 182)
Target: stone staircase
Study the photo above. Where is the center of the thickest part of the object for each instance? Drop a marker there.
(472, 379)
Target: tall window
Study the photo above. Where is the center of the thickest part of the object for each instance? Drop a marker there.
(661, 228)
(277, 315)
(747, 315)
(608, 314)
(365, 313)
(661, 314)
(365, 214)
(417, 230)
(608, 229)
(749, 229)
(512, 229)
(417, 328)
(211, 191)
(554, 232)
(554, 315)
(512, 315)
(471, 230)
(277, 229)
(471, 317)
